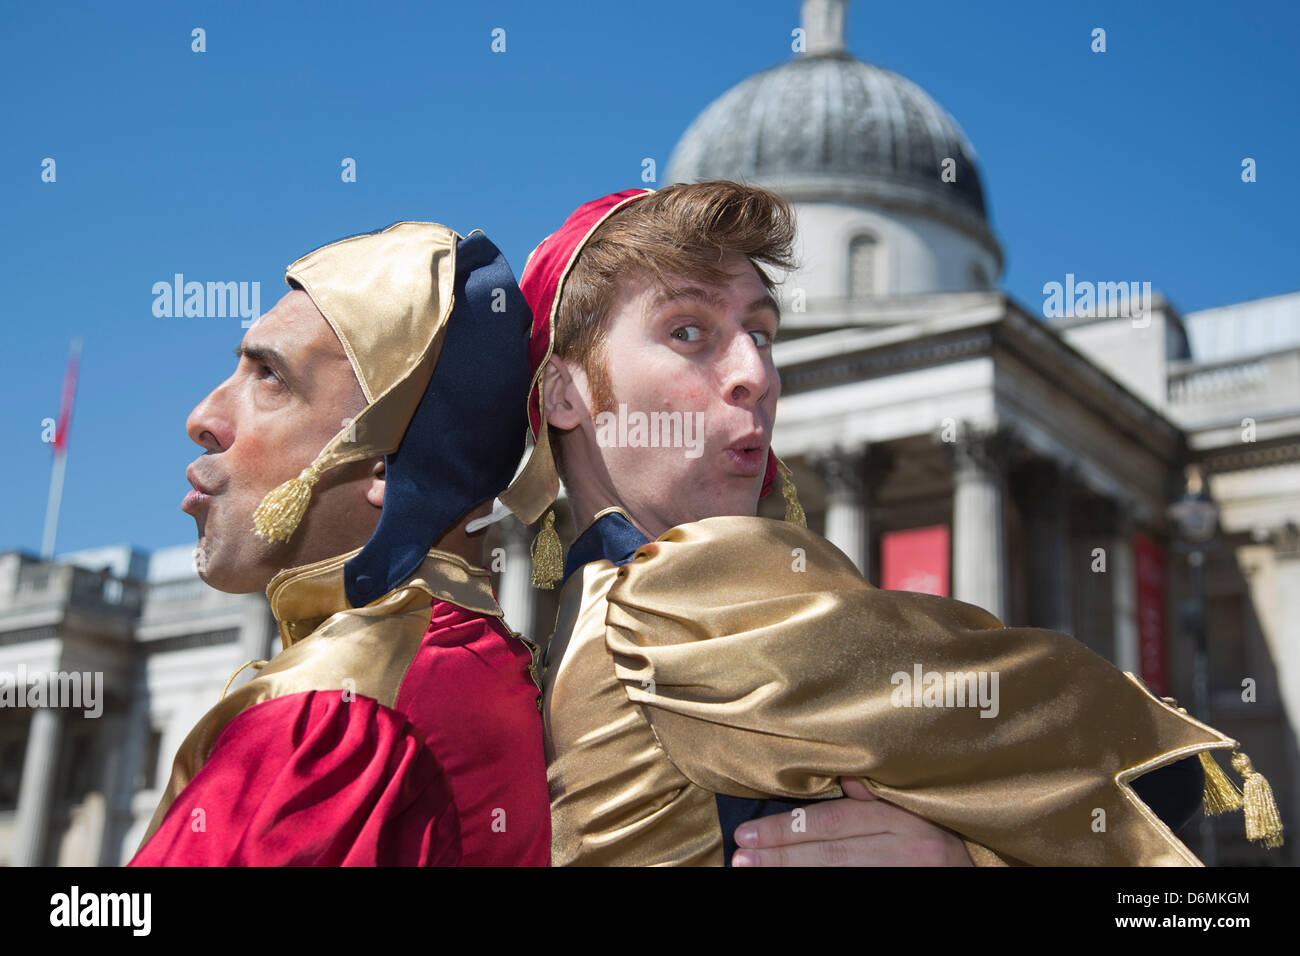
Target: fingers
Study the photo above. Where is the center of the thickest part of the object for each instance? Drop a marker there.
(856, 789)
(827, 853)
(887, 849)
(825, 820)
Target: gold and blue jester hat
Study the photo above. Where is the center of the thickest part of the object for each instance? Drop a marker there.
(436, 330)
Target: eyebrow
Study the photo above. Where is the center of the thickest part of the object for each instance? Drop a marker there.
(766, 302)
(268, 356)
(714, 300)
(665, 296)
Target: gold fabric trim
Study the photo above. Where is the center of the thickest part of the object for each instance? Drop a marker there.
(302, 598)
(538, 485)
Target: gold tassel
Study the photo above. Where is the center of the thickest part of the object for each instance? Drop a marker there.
(281, 511)
(1221, 795)
(548, 555)
(793, 510)
(1263, 825)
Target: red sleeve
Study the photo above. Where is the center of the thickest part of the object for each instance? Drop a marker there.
(311, 779)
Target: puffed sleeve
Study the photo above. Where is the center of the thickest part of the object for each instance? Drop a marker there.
(787, 670)
(312, 779)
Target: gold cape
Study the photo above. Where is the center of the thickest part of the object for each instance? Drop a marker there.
(749, 657)
(326, 642)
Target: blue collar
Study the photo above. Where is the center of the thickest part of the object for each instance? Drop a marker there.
(611, 537)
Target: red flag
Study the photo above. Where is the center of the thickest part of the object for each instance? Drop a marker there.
(69, 398)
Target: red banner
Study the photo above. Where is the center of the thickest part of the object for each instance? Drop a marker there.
(1149, 559)
(915, 560)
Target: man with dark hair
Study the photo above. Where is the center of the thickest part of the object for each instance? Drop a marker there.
(366, 423)
(737, 664)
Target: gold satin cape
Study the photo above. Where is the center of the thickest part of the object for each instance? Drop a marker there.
(749, 657)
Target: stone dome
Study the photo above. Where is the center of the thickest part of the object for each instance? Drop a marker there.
(827, 127)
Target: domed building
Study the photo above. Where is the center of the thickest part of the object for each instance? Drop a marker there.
(889, 197)
(916, 397)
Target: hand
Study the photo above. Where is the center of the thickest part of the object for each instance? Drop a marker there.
(858, 830)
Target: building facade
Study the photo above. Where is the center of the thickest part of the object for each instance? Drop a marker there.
(78, 784)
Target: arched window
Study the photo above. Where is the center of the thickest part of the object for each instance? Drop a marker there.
(979, 278)
(863, 267)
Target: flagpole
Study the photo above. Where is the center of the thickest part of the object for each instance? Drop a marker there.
(52, 506)
(60, 453)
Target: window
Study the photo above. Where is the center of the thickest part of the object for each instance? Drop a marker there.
(79, 770)
(147, 779)
(863, 267)
(13, 748)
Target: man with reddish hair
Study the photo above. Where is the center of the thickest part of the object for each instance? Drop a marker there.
(738, 665)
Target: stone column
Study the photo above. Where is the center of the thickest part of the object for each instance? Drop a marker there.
(36, 793)
(846, 504)
(129, 740)
(257, 639)
(1123, 582)
(1049, 569)
(979, 533)
(516, 594)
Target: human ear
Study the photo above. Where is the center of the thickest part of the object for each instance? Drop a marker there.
(565, 407)
(375, 487)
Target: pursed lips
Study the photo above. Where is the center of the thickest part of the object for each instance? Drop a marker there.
(199, 495)
(747, 455)
(197, 483)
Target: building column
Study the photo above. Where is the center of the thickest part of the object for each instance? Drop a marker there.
(979, 533)
(846, 504)
(1050, 567)
(517, 599)
(1123, 582)
(36, 793)
(130, 742)
(258, 638)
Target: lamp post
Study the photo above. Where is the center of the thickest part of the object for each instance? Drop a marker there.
(1196, 518)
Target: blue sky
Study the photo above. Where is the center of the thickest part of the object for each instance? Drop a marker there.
(225, 166)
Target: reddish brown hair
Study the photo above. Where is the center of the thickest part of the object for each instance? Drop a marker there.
(679, 231)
